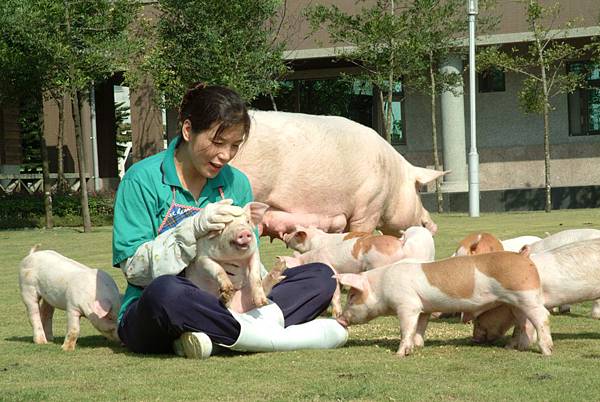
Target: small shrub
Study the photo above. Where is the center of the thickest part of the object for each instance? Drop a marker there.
(24, 210)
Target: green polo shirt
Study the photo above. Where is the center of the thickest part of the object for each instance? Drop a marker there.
(145, 195)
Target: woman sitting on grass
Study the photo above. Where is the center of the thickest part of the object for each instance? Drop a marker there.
(167, 201)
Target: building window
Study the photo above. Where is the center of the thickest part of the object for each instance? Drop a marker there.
(584, 103)
(492, 80)
(351, 98)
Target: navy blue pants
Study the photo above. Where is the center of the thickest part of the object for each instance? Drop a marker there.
(171, 305)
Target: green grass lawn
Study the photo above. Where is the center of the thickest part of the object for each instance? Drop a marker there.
(449, 367)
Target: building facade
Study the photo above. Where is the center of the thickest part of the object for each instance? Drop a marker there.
(510, 142)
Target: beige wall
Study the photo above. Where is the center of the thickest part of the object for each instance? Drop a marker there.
(10, 136)
(510, 142)
(583, 13)
(51, 133)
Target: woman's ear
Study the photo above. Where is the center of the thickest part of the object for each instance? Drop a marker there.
(186, 130)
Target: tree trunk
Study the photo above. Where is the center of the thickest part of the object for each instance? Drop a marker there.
(85, 210)
(390, 112)
(76, 112)
(273, 102)
(46, 177)
(386, 134)
(542, 62)
(436, 157)
(547, 158)
(61, 185)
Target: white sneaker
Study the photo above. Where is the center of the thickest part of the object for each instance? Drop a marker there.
(193, 345)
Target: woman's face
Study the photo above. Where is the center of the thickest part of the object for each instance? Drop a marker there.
(210, 154)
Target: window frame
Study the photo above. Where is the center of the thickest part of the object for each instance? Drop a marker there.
(584, 95)
(488, 87)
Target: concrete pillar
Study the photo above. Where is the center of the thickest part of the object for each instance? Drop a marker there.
(453, 132)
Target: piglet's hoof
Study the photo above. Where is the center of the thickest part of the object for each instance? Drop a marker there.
(226, 294)
(68, 346)
(404, 351)
(260, 301)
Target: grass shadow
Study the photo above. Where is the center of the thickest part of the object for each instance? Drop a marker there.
(98, 341)
(579, 335)
(93, 341)
(392, 344)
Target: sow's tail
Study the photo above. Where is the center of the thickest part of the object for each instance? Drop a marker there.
(34, 248)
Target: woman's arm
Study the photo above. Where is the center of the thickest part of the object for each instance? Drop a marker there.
(141, 254)
(142, 257)
(167, 254)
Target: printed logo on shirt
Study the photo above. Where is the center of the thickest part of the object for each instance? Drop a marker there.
(178, 211)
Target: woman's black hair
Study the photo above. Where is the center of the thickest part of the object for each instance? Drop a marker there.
(207, 105)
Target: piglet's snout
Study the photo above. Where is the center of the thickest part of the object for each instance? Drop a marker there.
(243, 238)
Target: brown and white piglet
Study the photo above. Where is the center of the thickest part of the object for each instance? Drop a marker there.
(461, 284)
(569, 274)
(356, 252)
(482, 242)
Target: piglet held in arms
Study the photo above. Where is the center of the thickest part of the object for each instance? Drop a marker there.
(228, 262)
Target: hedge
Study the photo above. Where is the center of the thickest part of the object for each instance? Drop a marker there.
(25, 210)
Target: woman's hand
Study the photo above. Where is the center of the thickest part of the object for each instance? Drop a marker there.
(214, 217)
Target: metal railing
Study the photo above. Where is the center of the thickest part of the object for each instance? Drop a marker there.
(33, 182)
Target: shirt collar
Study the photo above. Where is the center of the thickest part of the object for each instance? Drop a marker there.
(170, 172)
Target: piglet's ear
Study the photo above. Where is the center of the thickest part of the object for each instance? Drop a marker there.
(474, 245)
(213, 233)
(525, 250)
(256, 210)
(402, 237)
(300, 236)
(353, 280)
(289, 262)
(101, 307)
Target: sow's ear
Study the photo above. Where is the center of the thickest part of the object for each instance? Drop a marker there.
(256, 210)
(424, 175)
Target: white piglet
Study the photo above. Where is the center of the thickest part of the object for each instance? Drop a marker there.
(228, 262)
(49, 280)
